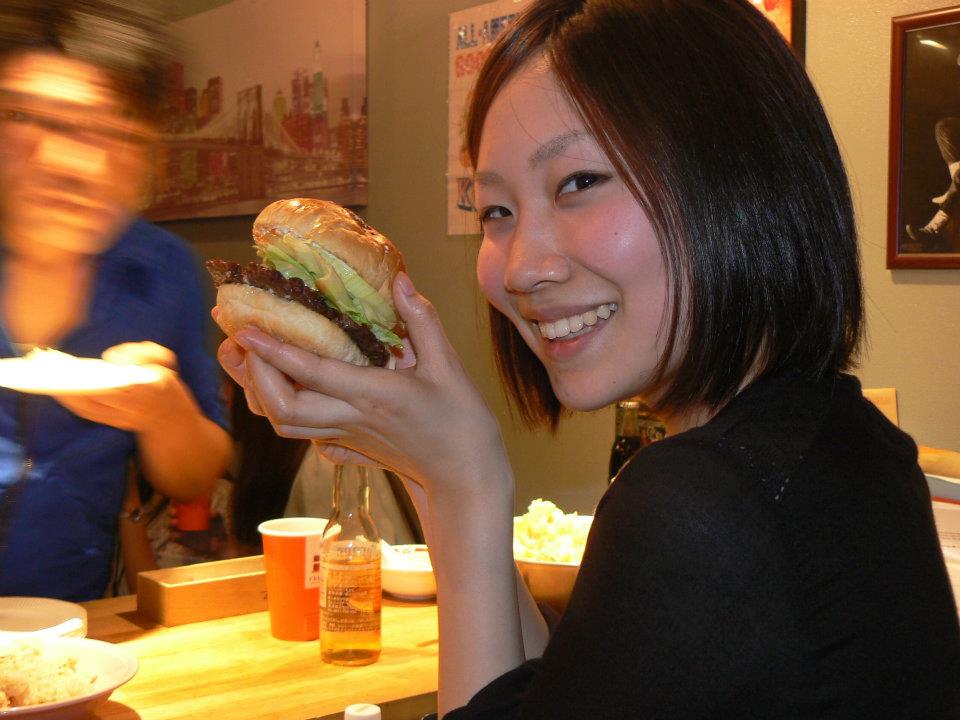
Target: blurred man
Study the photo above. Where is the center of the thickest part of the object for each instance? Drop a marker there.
(79, 85)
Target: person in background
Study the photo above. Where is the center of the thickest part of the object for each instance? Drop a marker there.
(156, 541)
(80, 84)
(276, 476)
(270, 476)
(262, 473)
(664, 212)
(390, 506)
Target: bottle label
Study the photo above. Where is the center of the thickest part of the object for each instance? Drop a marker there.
(350, 596)
(311, 561)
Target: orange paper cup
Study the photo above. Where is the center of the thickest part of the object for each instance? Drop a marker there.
(291, 558)
(193, 515)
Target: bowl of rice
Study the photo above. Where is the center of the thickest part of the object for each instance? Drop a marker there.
(547, 547)
(59, 677)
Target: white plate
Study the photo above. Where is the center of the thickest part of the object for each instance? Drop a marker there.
(50, 372)
(944, 487)
(112, 664)
(34, 615)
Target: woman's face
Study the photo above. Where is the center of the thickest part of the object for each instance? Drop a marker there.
(568, 254)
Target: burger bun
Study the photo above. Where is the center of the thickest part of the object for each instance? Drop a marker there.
(338, 230)
(241, 306)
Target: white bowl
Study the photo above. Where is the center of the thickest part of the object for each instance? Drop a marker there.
(406, 572)
(550, 583)
(112, 665)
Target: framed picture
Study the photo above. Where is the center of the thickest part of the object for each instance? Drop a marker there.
(923, 208)
(267, 102)
(790, 17)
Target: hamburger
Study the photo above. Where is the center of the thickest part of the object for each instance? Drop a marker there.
(324, 283)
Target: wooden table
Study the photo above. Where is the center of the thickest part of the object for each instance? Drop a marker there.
(232, 669)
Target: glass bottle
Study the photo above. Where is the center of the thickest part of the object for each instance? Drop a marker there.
(350, 573)
(636, 427)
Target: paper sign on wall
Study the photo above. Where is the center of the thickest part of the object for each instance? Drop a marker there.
(472, 32)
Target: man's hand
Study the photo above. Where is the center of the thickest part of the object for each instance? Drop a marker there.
(138, 407)
(145, 352)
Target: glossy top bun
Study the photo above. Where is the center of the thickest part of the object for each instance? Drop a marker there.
(338, 230)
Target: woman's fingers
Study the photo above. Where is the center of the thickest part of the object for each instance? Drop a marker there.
(372, 411)
(423, 325)
(340, 455)
(253, 402)
(231, 357)
(303, 432)
(296, 411)
(427, 347)
(407, 359)
(294, 389)
(330, 377)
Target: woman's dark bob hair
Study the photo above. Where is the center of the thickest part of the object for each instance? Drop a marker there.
(712, 122)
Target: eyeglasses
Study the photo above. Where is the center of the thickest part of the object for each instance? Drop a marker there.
(94, 130)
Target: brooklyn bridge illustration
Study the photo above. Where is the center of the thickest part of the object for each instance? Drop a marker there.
(220, 156)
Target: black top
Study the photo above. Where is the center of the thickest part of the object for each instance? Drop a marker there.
(779, 562)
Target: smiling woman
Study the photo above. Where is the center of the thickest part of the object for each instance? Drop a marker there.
(684, 172)
(665, 212)
(568, 255)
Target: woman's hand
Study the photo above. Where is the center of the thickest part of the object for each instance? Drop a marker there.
(424, 419)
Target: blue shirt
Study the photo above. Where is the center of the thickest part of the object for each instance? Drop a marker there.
(62, 520)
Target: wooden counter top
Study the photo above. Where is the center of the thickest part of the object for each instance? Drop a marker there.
(232, 669)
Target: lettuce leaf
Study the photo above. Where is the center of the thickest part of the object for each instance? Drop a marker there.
(339, 283)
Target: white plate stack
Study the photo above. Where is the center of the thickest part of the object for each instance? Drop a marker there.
(21, 616)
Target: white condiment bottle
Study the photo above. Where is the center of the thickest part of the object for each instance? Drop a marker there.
(362, 711)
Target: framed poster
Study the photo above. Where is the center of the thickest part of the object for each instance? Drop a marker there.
(268, 102)
(923, 207)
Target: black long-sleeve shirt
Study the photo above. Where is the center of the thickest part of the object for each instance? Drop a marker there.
(779, 562)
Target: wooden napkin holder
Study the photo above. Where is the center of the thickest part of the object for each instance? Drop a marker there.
(206, 591)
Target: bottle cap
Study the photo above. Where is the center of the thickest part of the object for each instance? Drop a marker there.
(362, 711)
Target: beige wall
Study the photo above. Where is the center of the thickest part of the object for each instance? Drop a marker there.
(912, 314)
